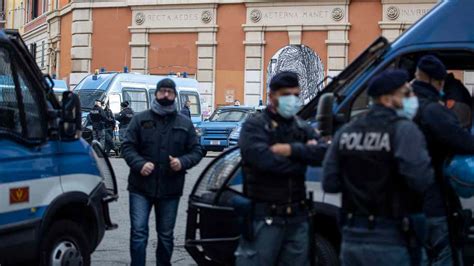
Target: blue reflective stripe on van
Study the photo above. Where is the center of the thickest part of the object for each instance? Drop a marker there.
(22, 215)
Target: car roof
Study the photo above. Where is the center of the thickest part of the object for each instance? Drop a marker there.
(450, 21)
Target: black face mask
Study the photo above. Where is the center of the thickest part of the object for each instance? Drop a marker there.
(165, 101)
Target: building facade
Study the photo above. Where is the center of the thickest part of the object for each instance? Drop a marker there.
(231, 47)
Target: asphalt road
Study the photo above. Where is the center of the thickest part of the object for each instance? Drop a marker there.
(114, 248)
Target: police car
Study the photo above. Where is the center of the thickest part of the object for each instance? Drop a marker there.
(54, 187)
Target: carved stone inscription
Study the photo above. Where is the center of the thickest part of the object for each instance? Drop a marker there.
(406, 12)
(173, 18)
(295, 15)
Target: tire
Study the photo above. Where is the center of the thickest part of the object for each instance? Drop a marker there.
(65, 241)
(325, 253)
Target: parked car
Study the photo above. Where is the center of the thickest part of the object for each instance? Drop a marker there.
(214, 133)
(235, 133)
(212, 231)
(59, 87)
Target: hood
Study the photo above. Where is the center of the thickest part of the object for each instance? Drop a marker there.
(209, 124)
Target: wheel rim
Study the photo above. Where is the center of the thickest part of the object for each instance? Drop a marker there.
(66, 253)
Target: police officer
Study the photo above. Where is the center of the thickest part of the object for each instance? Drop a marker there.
(185, 110)
(124, 118)
(97, 117)
(109, 129)
(381, 165)
(276, 147)
(445, 137)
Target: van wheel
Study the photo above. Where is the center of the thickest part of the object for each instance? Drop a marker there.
(65, 244)
(325, 253)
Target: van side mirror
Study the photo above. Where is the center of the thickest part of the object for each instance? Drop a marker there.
(324, 116)
(70, 116)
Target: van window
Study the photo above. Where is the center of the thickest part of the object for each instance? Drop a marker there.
(194, 98)
(19, 108)
(137, 98)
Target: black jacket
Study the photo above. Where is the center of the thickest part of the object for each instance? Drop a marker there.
(186, 112)
(445, 137)
(125, 116)
(371, 175)
(97, 116)
(274, 178)
(110, 120)
(153, 138)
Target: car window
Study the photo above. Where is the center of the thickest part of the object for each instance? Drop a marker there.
(26, 125)
(137, 99)
(194, 98)
(228, 116)
(88, 97)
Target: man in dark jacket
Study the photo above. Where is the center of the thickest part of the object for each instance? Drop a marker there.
(159, 147)
(109, 129)
(276, 148)
(458, 99)
(97, 117)
(445, 137)
(381, 166)
(185, 110)
(124, 118)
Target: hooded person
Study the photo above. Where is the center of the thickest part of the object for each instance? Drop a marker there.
(159, 147)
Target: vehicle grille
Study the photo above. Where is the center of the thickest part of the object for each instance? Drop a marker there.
(106, 171)
(217, 132)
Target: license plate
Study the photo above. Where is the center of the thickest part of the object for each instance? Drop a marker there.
(215, 142)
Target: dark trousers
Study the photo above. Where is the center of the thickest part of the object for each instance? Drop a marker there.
(165, 214)
(381, 245)
(275, 244)
(99, 135)
(109, 140)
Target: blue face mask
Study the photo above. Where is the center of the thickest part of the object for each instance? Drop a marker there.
(441, 93)
(410, 107)
(288, 105)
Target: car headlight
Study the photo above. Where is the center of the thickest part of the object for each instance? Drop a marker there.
(199, 131)
(235, 134)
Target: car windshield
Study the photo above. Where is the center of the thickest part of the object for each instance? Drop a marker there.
(234, 115)
(88, 97)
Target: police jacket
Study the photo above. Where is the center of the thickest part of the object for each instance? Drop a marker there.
(97, 117)
(186, 112)
(153, 138)
(445, 137)
(270, 177)
(125, 116)
(380, 164)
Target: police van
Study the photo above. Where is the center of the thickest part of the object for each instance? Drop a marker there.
(212, 232)
(54, 187)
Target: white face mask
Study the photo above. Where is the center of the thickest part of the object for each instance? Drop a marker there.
(288, 105)
(410, 107)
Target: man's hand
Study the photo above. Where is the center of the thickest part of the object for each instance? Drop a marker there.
(312, 142)
(175, 164)
(147, 169)
(281, 149)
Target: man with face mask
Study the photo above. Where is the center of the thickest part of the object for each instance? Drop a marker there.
(445, 137)
(276, 148)
(381, 166)
(160, 145)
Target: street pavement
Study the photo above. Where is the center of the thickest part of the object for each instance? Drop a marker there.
(114, 248)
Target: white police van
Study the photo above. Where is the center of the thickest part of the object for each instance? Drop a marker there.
(54, 187)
